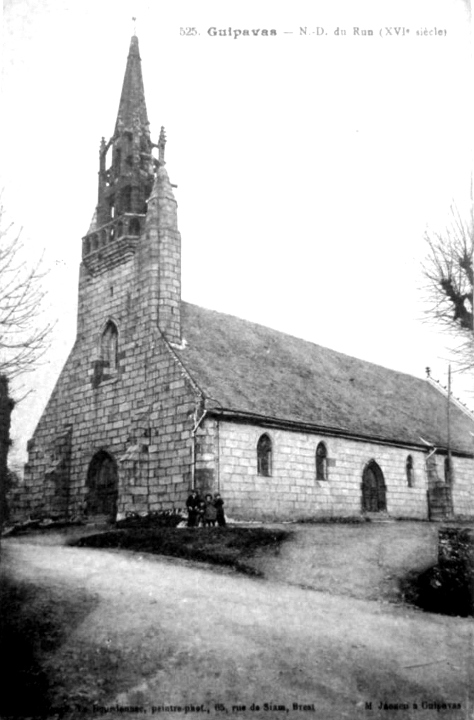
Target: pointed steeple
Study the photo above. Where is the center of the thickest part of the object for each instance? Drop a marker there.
(132, 106)
(126, 168)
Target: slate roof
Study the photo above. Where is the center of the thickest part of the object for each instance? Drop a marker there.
(248, 368)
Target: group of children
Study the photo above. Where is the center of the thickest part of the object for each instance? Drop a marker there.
(207, 512)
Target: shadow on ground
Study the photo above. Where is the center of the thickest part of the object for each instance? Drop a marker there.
(34, 623)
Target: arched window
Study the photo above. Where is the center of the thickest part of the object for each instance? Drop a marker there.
(409, 471)
(321, 462)
(264, 456)
(109, 346)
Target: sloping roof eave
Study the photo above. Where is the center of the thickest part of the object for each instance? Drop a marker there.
(295, 426)
(249, 371)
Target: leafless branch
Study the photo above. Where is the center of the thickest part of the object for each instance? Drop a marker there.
(449, 276)
(23, 335)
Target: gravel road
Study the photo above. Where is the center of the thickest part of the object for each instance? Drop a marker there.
(145, 632)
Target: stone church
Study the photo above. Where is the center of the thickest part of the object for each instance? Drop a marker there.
(159, 396)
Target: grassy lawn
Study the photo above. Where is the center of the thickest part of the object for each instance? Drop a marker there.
(231, 546)
(391, 561)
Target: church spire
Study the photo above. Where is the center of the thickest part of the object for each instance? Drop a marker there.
(126, 169)
(132, 106)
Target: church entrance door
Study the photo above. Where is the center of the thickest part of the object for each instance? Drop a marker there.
(102, 485)
(373, 489)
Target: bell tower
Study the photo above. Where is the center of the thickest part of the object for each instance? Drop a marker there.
(126, 175)
(133, 246)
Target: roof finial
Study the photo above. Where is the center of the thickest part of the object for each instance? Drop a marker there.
(134, 25)
(161, 146)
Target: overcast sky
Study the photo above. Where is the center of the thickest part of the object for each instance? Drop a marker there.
(308, 166)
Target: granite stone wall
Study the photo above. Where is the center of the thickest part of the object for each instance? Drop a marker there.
(125, 394)
(122, 391)
(292, 491)
(143, 418)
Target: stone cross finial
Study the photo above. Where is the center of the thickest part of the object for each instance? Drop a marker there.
(161, 146)
(134, 19)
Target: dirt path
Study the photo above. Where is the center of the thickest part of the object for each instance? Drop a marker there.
(148, 632)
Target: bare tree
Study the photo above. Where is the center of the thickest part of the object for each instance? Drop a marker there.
(23, 334)
(449, 274)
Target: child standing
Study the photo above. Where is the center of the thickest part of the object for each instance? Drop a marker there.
(201, 522)
(219, 505)
(209, 512)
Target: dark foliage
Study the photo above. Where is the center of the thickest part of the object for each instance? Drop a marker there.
(154, 519)
(220, 546)
(438, 591)
(334, 520)
(448, 586)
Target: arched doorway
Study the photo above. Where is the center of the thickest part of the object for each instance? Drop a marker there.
(373, 489)
(102, 485)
